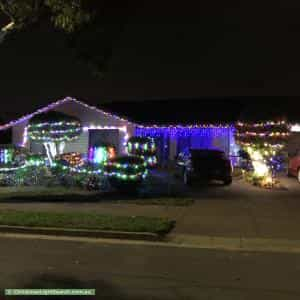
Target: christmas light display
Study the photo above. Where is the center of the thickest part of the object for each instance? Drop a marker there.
(74, 159)
(100, 155)
(53, 129)
(35, 160)
(6, 155)
(55, 105)
(192, 136)
(111, 152)
(127, 168)
(12, 168)
(264, 142)
(183, 130)
(295, 128)
(86, 169)
(123, 129)
(143, 147)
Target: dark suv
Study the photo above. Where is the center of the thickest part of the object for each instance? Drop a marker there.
(203, 164)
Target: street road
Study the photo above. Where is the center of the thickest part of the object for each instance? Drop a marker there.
(126, 271)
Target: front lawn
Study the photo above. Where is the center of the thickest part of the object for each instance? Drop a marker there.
(85, 221)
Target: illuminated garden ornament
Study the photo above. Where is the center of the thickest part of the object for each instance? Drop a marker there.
(264, 143)
(143, 147)
(53, 130)
(101, 154)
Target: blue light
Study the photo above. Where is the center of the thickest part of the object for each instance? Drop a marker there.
(208, 137)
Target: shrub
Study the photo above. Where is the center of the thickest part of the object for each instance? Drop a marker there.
(126, 172)
(143, 147)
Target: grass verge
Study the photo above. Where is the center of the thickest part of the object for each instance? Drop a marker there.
(86, 221)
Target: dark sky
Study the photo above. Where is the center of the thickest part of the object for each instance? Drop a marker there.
(168, 49)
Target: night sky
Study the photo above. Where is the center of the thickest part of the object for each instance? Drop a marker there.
(167, 50)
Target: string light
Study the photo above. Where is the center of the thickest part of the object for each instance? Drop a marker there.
(35, 160)
(127, 168)
(54, 131)
(74, 159)
(123, 129)
(195, 136)
(263, 142)
(6, 155)
(56, 104)
(143, 147)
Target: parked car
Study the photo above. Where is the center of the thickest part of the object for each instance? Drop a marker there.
(294, 165)
(204, 164)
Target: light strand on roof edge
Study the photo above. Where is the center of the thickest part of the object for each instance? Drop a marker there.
(55, 104)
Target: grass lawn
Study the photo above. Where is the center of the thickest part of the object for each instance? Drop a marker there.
(85, 221)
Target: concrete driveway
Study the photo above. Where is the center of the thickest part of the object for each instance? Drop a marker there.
(242, 210)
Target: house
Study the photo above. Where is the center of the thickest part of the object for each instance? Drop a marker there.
(175, 125)
(98, 127)
(101, 126)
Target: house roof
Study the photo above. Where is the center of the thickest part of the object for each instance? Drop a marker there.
(51, 106)
(184, 112)
(158, 112)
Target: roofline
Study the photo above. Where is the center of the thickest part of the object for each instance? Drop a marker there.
(183, 126)
(54, 105)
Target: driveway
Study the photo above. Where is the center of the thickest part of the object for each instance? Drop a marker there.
(244, 210)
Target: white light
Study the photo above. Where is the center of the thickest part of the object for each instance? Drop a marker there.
(260, 168)
(295, 128)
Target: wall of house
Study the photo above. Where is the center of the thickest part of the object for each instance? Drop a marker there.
(18, 132)
(89, 118)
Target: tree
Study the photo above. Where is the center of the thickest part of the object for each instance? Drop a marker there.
(91, 26)
(53, 130)
(65, 14)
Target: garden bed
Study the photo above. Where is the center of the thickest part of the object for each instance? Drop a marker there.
(90, 221)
